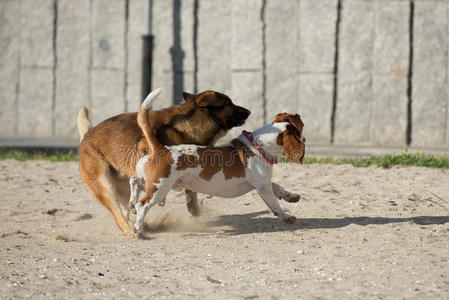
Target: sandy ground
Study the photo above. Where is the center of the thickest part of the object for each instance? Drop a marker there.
(361, 233)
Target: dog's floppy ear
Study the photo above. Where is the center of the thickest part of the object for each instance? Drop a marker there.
(188, 97)
(293, 119)
(293, 148)
(210, 98)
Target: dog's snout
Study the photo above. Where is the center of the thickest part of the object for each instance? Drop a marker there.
(244, 112)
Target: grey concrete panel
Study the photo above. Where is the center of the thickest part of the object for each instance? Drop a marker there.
(187, 23)
(315, 106)
(164, 80)
(280, 60)
(9, 65)
(390, 68)
(214, 46)
(187, 33)
(136, 28)
(247, 92)
(317, 27)
(108, 33)
(35, 102)
(36, 43)
(246, 60)
(107, 94)
(391, 43)
(173, 59)
(189, 82)
(430, 65)
(389, 110)
(246, 41)
(352, 120)
(162, 29)
(72, 70)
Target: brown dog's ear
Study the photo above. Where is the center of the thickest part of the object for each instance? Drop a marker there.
(292, 147)
(210, 98)
(188, 97)
(293, 119)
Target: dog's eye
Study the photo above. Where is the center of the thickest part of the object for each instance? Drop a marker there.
(144, 152)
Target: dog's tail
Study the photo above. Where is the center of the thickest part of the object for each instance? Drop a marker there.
(146, 125)
(83, 122)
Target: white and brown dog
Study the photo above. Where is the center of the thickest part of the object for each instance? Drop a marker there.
(230, 170)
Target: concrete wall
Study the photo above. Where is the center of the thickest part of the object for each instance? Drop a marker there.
(360, 72)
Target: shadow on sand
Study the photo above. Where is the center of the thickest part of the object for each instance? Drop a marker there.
(253, 223)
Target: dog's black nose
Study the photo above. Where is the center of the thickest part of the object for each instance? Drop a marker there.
(246, 113)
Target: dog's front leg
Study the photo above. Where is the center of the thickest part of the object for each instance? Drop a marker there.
(280, 192)
(266, 193)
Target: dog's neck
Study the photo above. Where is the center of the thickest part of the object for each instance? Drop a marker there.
(266, 138)
(197, 128)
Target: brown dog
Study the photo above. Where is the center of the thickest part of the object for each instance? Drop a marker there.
(109, 152)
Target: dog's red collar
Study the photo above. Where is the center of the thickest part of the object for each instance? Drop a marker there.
(249, 136)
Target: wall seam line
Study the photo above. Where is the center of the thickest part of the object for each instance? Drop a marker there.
(335, 91)
(90, 60)
(17, 88)
(125, 73)
(408, 139)
(195, 46)
(55, 63)
(445, 137)
(264, 67)
(370, 137)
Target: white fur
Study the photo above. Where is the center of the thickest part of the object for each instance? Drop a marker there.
(184, 149)
(258, 174)
(266, 136)
(148, 103)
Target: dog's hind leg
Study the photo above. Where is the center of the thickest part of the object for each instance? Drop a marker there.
(281, 193)
(154, 195)
(99, 178)
(136, 188)
(192, 203)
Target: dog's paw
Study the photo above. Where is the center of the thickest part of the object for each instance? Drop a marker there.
(136, 233)
(292, 198)
(289, 220)
(162, 203)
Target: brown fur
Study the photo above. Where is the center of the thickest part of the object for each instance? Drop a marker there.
(155, 171)
(109, 152)
(151, 121)
(230, 159)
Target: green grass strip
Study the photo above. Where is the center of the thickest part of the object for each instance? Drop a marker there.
(385, 161)
(27, 155)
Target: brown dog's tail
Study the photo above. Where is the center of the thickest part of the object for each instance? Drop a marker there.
(143, 120)
(83, 122)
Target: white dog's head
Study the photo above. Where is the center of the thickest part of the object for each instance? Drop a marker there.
(291, 139)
